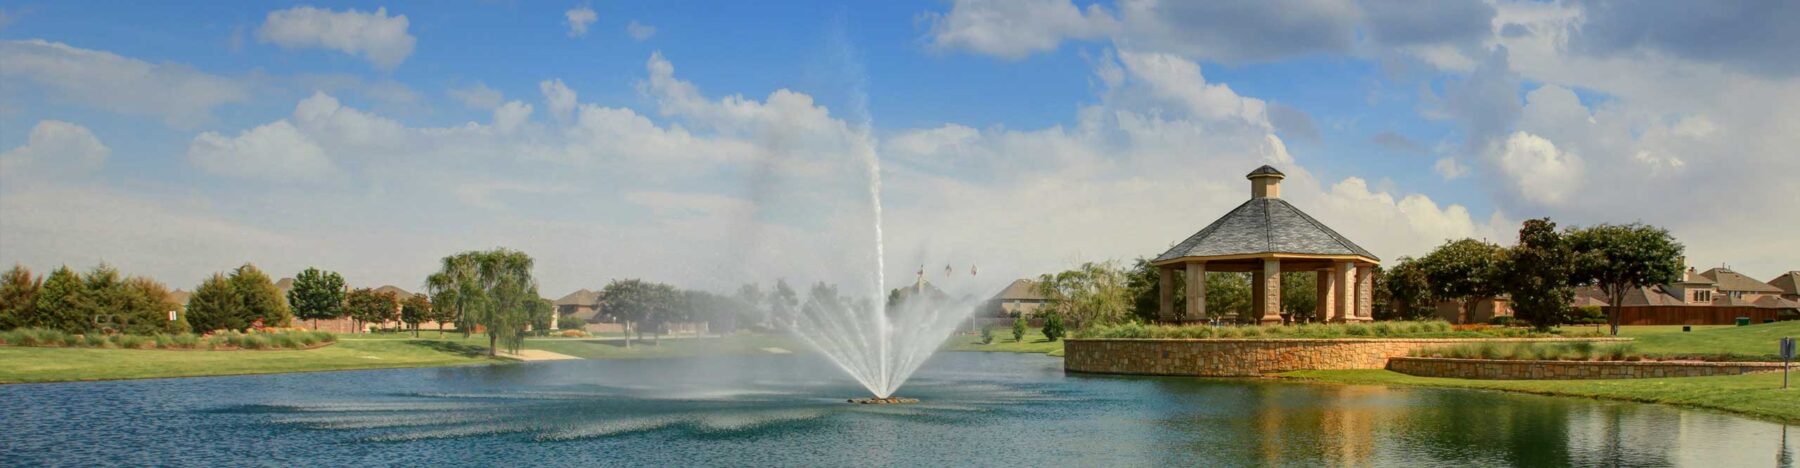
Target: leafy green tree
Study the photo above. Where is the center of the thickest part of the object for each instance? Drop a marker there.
(784, 305)
(1619, 258)
(317, 294)
(414, 309)
(215, 305)
(261, 300)
(104, 299)
(62, 301)
(446, 303)
(1143, 280)
(493, 289)
(1094, 293)
(987, 335)
(1537, 274)
(1407, 290)
(18, 298)
(367, 306)
(541, 311)
(639, 303)
(754, 303)
(1018, 329)
(1463, 270)
(145, 308)
(1300, 296)
(1227, 293)
(1053, 326)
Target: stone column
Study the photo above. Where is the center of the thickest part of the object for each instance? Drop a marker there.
(1196, 290)
(1365, 292)
(1271, 292)
(1343, 291)
(1256, 303)
(1165, 294)
(1325, 294)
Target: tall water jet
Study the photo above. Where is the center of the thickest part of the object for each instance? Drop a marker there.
(878, 342)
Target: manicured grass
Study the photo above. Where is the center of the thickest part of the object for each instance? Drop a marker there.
(1754, 342)
(1758, 395)
(685, 346)
(33, 364)
(1034, 342)
(1421, 329)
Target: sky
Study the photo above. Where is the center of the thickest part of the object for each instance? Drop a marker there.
(709, 144)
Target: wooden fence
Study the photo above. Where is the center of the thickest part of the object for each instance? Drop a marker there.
(1695, 315)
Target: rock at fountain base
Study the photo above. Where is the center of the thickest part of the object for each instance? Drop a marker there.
(882, 401)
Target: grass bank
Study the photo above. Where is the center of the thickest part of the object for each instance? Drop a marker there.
(40, 364)
(1758, 395)
(1033, 342)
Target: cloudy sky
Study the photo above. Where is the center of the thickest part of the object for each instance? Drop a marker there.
(710, 143)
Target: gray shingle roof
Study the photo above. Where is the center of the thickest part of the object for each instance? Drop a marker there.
(1734, 281)
(1265, 225)
(1266, 169)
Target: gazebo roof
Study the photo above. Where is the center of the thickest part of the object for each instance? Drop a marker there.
(1265, 225)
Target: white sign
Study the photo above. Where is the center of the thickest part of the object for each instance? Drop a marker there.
(171, 316)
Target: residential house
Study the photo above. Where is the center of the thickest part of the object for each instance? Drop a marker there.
(1789, 284)
(1485, 310)
(1715, 297)
(1019, 299)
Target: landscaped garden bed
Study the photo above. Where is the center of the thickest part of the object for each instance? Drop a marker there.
(283, 339)
(1420, 329)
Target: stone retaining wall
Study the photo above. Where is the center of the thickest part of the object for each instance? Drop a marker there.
(1251, 357)
(1568, 370)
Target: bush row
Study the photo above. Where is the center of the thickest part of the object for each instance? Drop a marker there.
(217, 341)
(1569, 351)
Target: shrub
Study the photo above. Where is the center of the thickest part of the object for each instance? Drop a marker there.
(987, 335)
(1053, 327)
(133, 341)
(1357, 330)
(1502, 321)
(1018, 329)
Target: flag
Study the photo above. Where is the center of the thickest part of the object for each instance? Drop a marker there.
(947, 270)
(971, 270)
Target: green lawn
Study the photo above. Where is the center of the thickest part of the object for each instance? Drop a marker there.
(1033, 342)
(1753, 342)
(1758, 395)
(668, 347)
(33, 364)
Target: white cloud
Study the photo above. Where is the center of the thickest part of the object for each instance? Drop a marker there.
(376, 37)
(1449, 169)
(510, 116)
(639, 32)
(180, 95)
(175, 240)
(579, 18)
(1538, 171)
(55, 148)
(275, 152)
(1016, 28)
(559, 97)
(478, 96)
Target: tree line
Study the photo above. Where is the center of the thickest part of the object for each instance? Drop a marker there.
(100, 301)
(1539, 274)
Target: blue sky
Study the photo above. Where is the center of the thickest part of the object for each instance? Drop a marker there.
(712, 144)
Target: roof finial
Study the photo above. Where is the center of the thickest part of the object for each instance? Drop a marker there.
(1265, 182)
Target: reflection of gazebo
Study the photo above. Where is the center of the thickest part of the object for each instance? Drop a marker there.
(1265, 237)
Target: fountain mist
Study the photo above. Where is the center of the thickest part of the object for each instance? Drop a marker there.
(878, 342)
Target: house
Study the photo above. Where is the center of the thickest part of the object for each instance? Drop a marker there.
(1715, 297)
(1789, 284)
(1019, 299)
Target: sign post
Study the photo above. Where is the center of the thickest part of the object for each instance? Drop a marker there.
(1787, 359)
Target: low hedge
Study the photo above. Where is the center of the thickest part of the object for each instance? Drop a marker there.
(285, 339)
(1406, 329)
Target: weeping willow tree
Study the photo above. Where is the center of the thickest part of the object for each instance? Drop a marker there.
(492, 289)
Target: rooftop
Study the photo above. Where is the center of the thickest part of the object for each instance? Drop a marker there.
(1265, 225)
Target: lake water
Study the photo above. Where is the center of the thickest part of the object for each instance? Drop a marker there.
(976, 409)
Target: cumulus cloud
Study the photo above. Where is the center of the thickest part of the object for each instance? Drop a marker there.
(178, 94)
(1016, 28)
(639, 32)
(376, 37)
(478, 96)
(276, 152)
(1538, 171)
(1755, 36)
(55, 148)
(579, 18)
(559, 98)
(1448, 168)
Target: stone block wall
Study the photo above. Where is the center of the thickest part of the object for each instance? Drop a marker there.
(1250, 357)
(1568, 370)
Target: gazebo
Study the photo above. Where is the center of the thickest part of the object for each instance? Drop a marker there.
(1266, 237)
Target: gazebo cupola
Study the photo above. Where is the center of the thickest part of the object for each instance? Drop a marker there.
(1266, 237)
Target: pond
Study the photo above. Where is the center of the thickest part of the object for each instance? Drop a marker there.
(789, 410)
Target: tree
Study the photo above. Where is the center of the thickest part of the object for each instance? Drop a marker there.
(1053, 326)
(638, 303)
(1408, 292)
(261, 300)
(61, 302)
(1227, 293)
(1620, 258)
(447, 306)
(1537, 274)
(18, 298)
(1018, 329)
(753, 301)
(145, 308)
(365, 305)
(414, 309)
(541, 312)
(214, 306)
(317, 295)
(1144, 281)
(1464, 271)
(1091, 294)
(784, 305)
(493, 289)
(103, 300)
(1300, 296)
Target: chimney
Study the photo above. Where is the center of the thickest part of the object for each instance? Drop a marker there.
(1265, 182)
